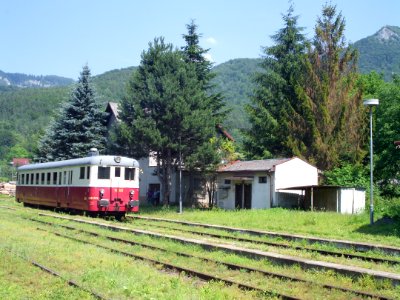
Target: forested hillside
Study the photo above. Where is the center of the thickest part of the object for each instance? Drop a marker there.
(23, 80)
(380, 52)
(25, 112)
(234, 81)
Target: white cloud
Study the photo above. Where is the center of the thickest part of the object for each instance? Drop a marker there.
(208, 57)
(211, 40)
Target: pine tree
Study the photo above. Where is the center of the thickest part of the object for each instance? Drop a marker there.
(196, 55)
(334, 119)
(200, 160)
(79, 126)
(166, 112)
(275, 104)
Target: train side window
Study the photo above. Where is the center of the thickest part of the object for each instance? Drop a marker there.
(87, 172)
(48, 178)
(32, 176)
(129, 173)
(104, 173)
(22, 178)
(117, 172)
(55, 178)
(42, 178)
(65, 177)
(70, 177)
(37, 178)
(59, 178)
(82, 173)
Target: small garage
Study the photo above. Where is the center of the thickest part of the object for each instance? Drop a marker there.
(345, 200)
(256, 184)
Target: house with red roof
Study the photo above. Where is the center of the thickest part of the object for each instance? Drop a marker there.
(262, 183)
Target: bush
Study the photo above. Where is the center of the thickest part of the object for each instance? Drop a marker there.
(391, 208)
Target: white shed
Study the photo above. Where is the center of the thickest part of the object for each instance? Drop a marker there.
(345, 200)
(258, 183)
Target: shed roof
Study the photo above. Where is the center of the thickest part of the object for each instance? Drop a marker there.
(253, 165)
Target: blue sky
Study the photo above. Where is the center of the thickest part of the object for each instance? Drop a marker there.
(58, 37)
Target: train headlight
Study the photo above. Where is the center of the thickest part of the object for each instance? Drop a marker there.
(101, 192)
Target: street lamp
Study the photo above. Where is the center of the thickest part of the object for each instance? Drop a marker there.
(371, 103)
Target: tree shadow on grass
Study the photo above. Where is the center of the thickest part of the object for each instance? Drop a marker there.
(384, 226)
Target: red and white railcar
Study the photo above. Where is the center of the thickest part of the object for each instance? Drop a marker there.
(96, 184)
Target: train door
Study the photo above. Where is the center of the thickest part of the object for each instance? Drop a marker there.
(115, 184)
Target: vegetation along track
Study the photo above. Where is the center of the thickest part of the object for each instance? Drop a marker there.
(255, 254)
(207, 260)
(277, 244)
(362, 247)
(56, 274)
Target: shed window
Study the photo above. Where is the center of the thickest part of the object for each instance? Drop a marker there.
(262, 179)
(82, 173)
(104, 173)
(129, 173)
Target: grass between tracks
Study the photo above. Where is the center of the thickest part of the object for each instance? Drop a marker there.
(120, 277)
(320, 224)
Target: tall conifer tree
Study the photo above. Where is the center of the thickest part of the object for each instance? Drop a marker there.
(79, 126)
(166, 112)
(275, 104)
(335, 126)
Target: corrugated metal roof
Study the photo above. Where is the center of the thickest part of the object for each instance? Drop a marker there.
(253, 165)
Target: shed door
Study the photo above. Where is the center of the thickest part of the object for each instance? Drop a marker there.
(243, 195)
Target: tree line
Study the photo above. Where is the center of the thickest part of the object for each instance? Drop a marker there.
(307, 102)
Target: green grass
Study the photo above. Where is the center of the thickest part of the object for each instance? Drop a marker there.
(321, 224)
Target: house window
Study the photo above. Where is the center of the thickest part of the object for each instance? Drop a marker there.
(262, 179)
(227, 181)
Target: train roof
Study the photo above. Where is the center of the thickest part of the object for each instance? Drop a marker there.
(99, 160)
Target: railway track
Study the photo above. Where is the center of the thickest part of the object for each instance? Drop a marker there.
(358, 246)
(169, 266)
(283, 245)
(394, 278)
(207, 260)
(57, 274)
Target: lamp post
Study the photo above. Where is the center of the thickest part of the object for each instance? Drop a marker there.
(371, 103)
(180, 175)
